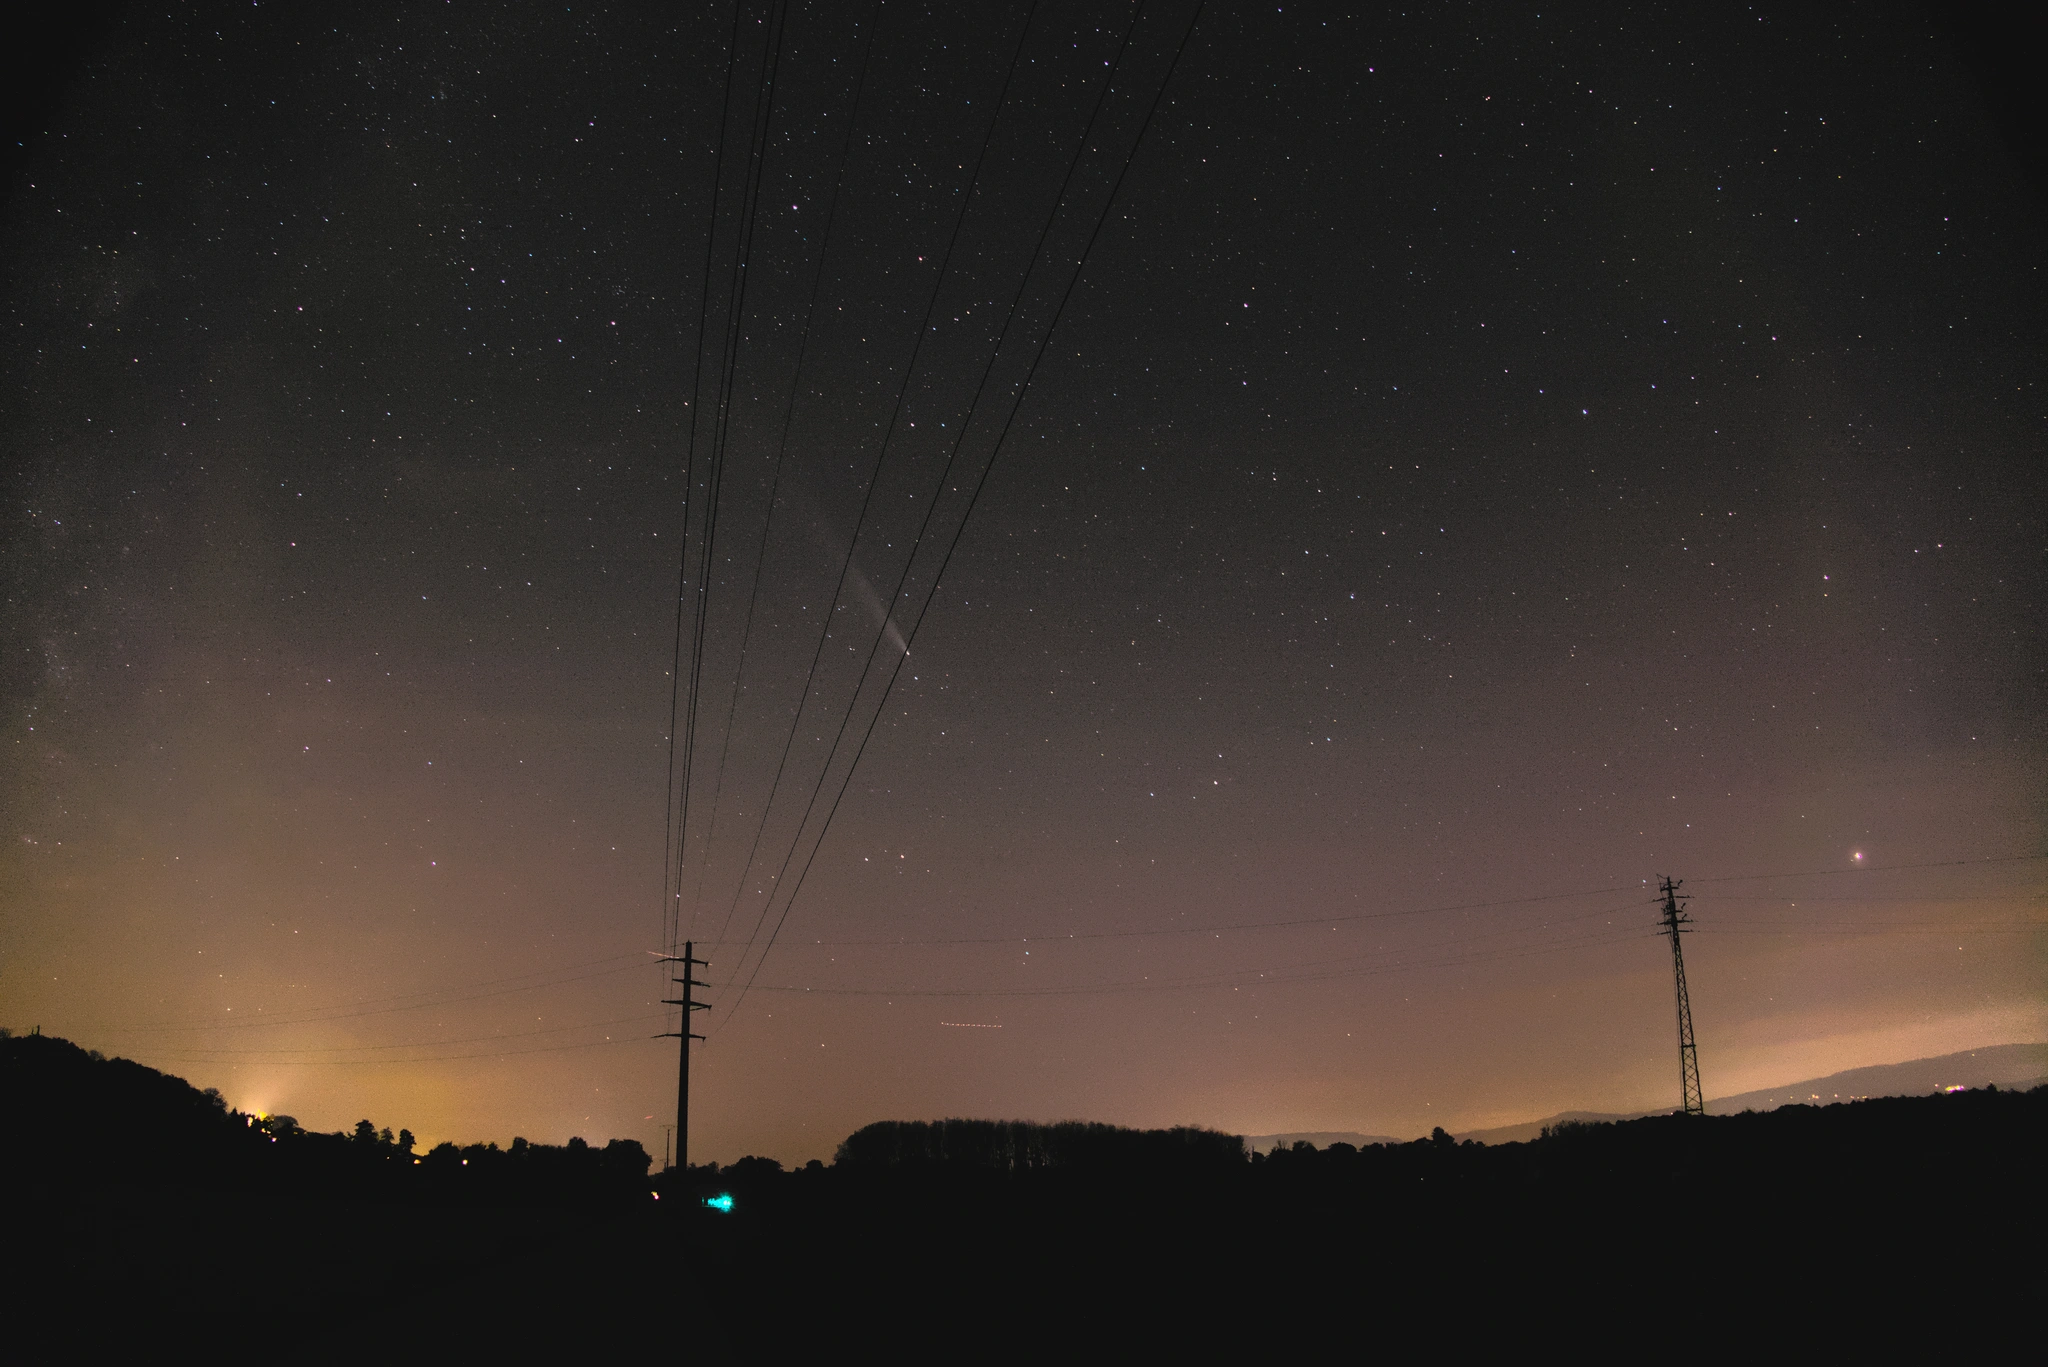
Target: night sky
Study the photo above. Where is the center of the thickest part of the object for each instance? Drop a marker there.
(1488, 461)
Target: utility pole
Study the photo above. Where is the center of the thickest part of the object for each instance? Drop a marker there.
(688, 1002)
(1675, 921)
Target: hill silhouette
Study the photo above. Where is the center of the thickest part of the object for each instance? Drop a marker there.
(1849, 1215)
(997, 1240)
(150, 1129)
(2004, 1065)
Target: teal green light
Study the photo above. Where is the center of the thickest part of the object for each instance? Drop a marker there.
(721, 1203)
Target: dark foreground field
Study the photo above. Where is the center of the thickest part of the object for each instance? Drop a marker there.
(1887, 1220)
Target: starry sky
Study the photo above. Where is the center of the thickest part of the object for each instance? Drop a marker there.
(1485, 461)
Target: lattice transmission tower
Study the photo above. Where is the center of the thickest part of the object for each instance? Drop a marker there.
(1692, 1102)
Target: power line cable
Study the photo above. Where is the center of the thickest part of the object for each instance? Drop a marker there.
(1287, 972)
(1344, 918)
(945, 473)
(670, 844)
(1281, 974)
(1265, 977)
(1320, 960)
(1461, 906)
(1055, 937)
(1325, 967)
(874, 482)
(782, 444)
(546, 977)
(1023, 389)
(771, 60)
(1277, 974)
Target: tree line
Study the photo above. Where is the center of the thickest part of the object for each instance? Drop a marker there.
(89, 1118)
(1025, 1146)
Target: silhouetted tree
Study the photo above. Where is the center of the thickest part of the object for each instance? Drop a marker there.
(1018, 1145)
(626, 1158)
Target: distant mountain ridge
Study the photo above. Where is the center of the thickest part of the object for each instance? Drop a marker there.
(2007, 1065)
(2003, 1065)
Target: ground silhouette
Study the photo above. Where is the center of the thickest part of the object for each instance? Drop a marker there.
(137, 1202)
(149, 1130)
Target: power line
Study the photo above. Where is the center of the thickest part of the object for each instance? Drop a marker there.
(720, 430)
(1275, 973)
(945, 473)
(1023, 390)
(536, 979)
(1466, 939)
(1322, 969)
(874, 481)
(782, 443)
(1278, 975)
(735, 322)
(1256, 978)
(670, 852)
(1056, 937)
(1345, 918)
